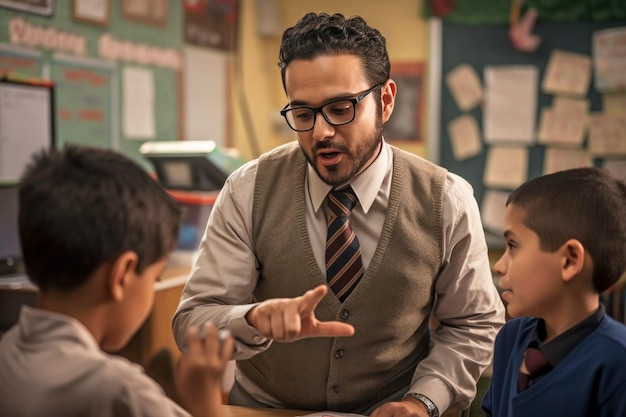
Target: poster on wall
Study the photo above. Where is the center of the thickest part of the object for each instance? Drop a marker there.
(43, 7)
(405, 123)
(83, 102)
(211, 23)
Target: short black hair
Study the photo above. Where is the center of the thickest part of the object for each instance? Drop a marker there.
(586, 204)
(320, 34)
(83, 206)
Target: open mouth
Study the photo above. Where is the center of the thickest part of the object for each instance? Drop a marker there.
(329, 155)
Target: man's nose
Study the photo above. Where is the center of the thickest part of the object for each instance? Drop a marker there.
(322, 129)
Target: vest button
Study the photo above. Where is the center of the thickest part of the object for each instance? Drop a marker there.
(339, 353)
(344, 315)
(334, 389)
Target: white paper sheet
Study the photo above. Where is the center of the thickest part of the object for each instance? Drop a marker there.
(560, 159)
(465, 137)
(492, 210)
(510, 104)
(465, 87)
(579, 106)
(567, 73)
(138, 105)
(609, 59)
(506, 167)
(565, 128)
(607, 134)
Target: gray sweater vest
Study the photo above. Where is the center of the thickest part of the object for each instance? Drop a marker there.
(389, 308)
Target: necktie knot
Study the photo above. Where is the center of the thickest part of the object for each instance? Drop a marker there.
(341, 202)
(535, 363)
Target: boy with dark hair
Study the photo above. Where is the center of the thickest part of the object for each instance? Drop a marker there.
(563, 355)
(96, 232)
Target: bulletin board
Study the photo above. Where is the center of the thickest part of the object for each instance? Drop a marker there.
(86, 61)
(484, 45)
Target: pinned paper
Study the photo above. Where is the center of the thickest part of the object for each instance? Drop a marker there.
(567, 73)
(492, 210)
(561, 127)
(607, 134)
(465, 137)
(138, 104)
(465, 86)
(506, 167)
(510, 103)
(562, 159)
(609, 59)
(579, 106)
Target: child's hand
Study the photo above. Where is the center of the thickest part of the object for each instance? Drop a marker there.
(199, 371)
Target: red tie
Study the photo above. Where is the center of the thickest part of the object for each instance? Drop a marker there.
(344, 267)
(536, 363)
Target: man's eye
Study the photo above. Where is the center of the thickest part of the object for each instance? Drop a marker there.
(339, 108)
(301, 114)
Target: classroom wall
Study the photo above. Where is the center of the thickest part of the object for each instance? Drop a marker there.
(400, 22)
(238, 105)
(89, 85)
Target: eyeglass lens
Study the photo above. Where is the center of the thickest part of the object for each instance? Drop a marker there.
(336, 113)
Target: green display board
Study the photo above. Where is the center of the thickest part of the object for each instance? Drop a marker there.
(88, 86)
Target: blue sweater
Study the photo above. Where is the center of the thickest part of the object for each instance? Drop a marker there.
(590, 380)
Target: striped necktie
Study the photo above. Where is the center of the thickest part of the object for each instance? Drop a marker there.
(344, 267)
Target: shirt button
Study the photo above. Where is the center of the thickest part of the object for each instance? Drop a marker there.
(339, 353)
(344, 314)
(258, 338)
(334, 389)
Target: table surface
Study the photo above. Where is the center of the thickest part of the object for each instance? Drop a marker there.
(236, 411)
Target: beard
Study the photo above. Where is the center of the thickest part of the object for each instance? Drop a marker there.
(359, 160)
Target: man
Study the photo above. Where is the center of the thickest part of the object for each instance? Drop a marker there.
(414, 247)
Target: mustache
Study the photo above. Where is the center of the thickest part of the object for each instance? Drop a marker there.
(329, 145)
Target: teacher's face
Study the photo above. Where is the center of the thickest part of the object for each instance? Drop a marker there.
(338, 153)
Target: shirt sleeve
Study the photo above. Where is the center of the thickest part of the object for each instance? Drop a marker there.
(468, 311)
(225, 272)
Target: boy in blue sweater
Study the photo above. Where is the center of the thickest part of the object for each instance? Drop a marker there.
(565, 239)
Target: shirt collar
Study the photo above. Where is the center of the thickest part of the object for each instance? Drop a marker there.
(365, 185)
(556, 349)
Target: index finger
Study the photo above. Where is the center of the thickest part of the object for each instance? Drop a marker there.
(310, 299)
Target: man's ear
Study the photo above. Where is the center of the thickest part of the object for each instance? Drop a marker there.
(122, 270)
(573, 259)
(388, 97)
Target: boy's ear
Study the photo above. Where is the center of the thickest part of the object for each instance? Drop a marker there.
(573, 260)
(122, 270)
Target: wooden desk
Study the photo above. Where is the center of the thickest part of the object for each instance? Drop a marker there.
(236, 411)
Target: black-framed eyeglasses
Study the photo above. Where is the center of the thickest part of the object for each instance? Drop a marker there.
(336, 113)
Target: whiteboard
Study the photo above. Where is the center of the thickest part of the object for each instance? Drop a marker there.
(26, 126)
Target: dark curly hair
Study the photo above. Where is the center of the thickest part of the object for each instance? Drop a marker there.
(323, 34)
